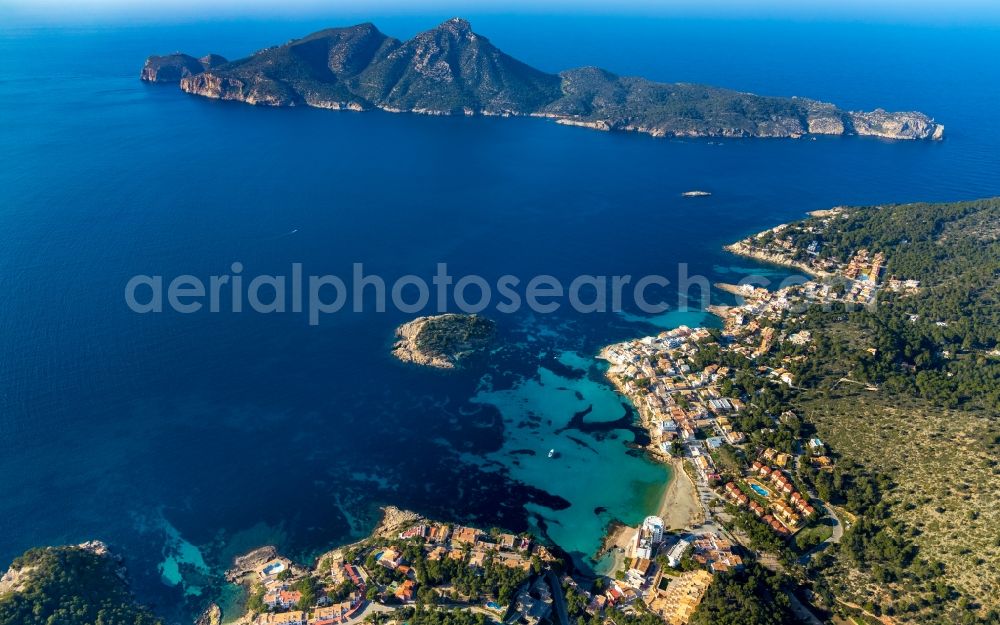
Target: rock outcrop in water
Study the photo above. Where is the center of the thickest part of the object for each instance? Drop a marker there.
(443, 341)
(452, 70)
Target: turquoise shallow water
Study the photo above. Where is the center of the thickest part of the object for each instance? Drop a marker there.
(185, 439)
(600, 481)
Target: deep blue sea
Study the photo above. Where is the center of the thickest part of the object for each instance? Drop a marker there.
(185, 439)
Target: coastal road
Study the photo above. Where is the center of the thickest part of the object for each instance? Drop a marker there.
(384, 609)
(475, 609)
(558, 599)
(710, 526)
(705, 496)
(370, 608)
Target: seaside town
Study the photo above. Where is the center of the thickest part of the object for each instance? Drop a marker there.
(684, 386)
(338, 313)
(502, 576)
(407, 561)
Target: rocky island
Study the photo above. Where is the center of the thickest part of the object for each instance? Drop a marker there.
(443, 341)
(451, 70)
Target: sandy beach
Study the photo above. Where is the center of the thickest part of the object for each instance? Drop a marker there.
(679, 507)
(618, 544)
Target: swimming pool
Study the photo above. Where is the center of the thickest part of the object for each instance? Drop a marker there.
(274, 569)
(760, 490)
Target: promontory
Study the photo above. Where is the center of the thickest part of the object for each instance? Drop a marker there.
(451, 70)
(70, 585)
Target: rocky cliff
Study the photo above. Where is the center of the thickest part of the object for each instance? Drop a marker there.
(453, 70)
(74, 585)
(175, 67)
(443, 341)
(888, 125)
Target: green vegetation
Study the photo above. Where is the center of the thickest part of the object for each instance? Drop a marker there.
(493, 581)
(440, 616)
(361, 68)
(751, 596)
(341, 591)
(924, 547)
(255, 602)
(621, 617)
(808, 537)
(729, 459)
(454, 336)
(906, 394)
(70, 586)
(593, 94)
(310, 592)
(848, 485)
(576, 601)
(938, 344)
(762, 537)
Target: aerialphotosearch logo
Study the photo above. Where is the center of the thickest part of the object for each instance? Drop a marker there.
(316, 295)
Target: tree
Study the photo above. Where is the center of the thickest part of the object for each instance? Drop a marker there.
(536, 565)
(255, 603)
(71, 586)
(310, 591)
(426, 596)
(752, 596)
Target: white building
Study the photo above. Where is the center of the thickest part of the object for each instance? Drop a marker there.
(654, 525)
(677, 552)
(643, 546)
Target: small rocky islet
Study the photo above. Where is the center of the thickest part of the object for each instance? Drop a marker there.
(448, 341)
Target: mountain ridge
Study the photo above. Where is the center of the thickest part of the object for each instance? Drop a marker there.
(450, 69)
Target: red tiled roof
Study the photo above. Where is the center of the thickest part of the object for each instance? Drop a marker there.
(290, 596)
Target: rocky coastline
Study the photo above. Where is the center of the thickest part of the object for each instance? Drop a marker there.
(249, 562)
(450, 70)
(742, 248)
(84, 581)
(245, 568)
(15, 577)
(211, 616)
(446, 341)
(174, 68)
(376, 574)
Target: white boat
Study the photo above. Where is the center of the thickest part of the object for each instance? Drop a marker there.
(552, 453)
(696, 193)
